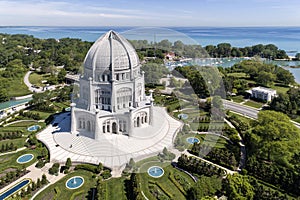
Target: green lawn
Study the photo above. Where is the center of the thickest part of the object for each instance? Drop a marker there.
(115, 188)
(240, 117)
(280, 89)
(36, 79)
(44, 115)
(238, 99)
(22, 126)
(164, 184)
(238, 74)
(213, 140)
(19, 142)
(60, 191)
(17, 87)
(9, 161)
(253, 104)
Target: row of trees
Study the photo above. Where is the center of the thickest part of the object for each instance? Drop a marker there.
(269, 51)
(11, 176)
(34, 186)
(11, 135)
(199, 167)
(226, 157)
(8, 147)
(29, 115)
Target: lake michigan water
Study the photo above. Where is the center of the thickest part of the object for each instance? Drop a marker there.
(286, 38)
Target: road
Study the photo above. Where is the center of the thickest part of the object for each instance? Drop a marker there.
(247, 111)
(241, 109)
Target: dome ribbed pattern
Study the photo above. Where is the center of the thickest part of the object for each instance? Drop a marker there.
(113, 49)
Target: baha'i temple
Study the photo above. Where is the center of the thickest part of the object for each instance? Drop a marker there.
(113, 119)
(112, 93)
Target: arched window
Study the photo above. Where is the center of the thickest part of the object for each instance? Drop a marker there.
(124, 96)
(138, 122)
(103, 129)
(114, 127)
(108, 128)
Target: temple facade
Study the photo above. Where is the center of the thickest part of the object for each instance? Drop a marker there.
(112, 96)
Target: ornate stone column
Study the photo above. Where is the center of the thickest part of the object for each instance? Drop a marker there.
(151, 108)
(97, 125)
(130, 124)
(73, 118)
(91, 96)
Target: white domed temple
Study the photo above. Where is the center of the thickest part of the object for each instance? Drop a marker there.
(112, 93)
(112, 120)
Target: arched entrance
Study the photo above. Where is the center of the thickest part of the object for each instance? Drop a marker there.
(89, 126)
(138, 123)
(114, 127)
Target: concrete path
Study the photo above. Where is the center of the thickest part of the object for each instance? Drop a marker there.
(29, 85)
(114, 151)
(11, 152)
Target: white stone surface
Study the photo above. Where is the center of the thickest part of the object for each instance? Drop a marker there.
(112, 150)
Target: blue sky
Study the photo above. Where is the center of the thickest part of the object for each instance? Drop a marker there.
(150, 13)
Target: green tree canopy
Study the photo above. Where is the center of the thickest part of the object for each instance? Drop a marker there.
(274, 138)
(205, 186)
(238, 187)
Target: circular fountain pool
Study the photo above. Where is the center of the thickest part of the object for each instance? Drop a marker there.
(155, 171)
(183, 116)
(74, 182)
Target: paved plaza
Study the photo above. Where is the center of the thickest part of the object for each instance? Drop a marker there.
(112, 150)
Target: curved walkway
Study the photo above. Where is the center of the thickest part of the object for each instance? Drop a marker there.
(26, 81)
(29, 120)
(28, 84)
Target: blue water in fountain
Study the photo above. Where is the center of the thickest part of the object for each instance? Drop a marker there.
(183, 116)
(155, 171)
(74, 182)
(192, 140)
(33, 128)
(25, 158)
(14, 189)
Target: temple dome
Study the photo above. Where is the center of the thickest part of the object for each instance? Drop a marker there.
(113, 50)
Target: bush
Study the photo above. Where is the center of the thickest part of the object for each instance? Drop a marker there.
(88, 167)
(54, 169)
(40, 164)
(106, 174)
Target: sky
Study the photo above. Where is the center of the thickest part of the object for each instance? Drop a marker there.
(149, 13)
